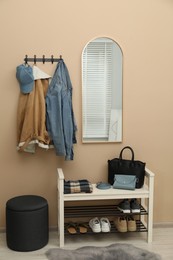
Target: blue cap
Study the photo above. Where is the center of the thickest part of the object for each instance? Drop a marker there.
(24, 74)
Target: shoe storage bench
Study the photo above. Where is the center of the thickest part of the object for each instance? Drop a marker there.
(145, 195)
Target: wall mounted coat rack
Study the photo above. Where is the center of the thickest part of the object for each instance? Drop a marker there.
(43, 59)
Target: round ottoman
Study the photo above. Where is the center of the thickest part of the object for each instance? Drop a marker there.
(27, 223)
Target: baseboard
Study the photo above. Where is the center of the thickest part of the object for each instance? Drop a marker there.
(163, 225)
(2, 230)
(53, 228)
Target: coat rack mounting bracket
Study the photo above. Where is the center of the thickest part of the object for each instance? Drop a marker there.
(43, 59)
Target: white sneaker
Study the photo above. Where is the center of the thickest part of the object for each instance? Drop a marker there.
(105, 225)
(94, 224)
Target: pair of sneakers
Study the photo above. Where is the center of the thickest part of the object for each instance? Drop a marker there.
(131, 206)
(124, 224)
(102, 225)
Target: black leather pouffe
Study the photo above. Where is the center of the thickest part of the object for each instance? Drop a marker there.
(27, 223)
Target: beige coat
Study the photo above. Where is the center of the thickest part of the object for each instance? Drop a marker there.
(31, 118)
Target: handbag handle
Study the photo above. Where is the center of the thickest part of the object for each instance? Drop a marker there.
(127, 147)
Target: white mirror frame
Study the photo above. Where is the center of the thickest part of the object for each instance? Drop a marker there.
(102, 65)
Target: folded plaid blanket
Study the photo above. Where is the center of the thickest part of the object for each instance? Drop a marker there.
(77, 186)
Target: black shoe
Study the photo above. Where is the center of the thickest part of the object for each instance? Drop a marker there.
(124, 206)
(135, 206)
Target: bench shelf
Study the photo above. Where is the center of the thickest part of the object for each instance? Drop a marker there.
(144, 195)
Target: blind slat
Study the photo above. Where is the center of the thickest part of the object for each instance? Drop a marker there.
(97, 89)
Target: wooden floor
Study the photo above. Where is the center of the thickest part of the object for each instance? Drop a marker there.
(162, 243)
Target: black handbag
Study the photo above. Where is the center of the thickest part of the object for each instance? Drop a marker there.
(127, 167)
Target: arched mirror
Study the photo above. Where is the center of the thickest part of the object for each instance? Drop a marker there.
(102, 91)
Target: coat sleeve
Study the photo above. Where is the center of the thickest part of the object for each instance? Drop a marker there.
(54, 121)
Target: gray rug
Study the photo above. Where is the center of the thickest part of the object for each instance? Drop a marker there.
(112, 252)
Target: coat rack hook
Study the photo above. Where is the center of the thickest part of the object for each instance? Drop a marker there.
(52, 59)
(26, 59)
(43, 59)
(60, 56)
(35, 59)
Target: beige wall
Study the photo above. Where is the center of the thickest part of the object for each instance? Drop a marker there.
(143, 28)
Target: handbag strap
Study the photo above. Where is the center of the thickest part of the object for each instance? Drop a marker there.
(127, 147)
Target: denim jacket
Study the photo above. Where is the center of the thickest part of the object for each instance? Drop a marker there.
(60, 119)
